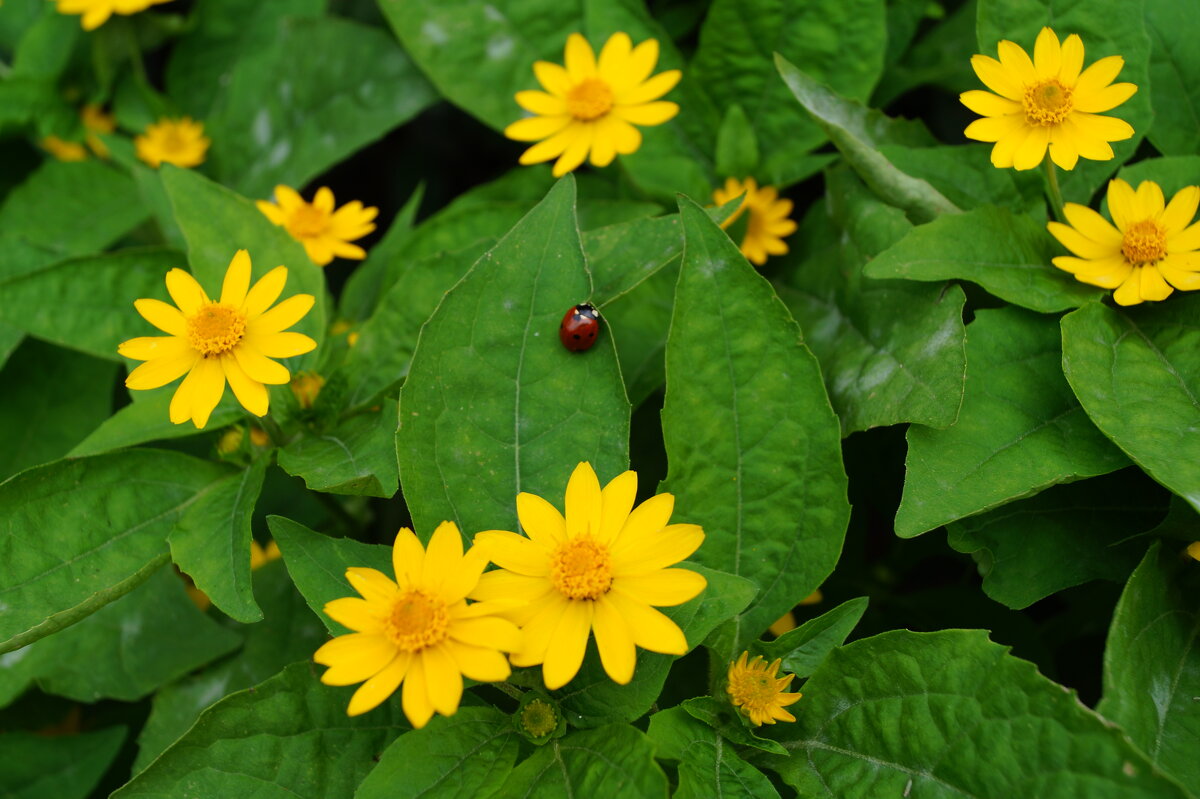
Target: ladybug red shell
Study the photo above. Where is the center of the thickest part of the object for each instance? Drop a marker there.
(580, 327)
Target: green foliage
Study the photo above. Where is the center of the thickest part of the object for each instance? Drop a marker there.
(67, 768)
(608, 761)
(707, 767)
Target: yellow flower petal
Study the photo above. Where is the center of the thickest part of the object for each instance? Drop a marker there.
(1072, 60)
(1121, 204)
(645, 522)
(641, 63)
(552, 147)
(1032, 150)
(988, 104)
(443, 679)
(284, 345)
(323, 199)
(648, 113)
(371, 584)
(580, 59)
(1180, 211)
(649, 90)
(1016, 60)
(1080, 244)
(1180, 274)
(616, 501)
(673, 543)
(237, 280)
(1099, 75)
(271, 211)
(282, 316)
(1095, 227)
(540, 520)
(541, 103)
(443, 555)
(650, 628)
(1149, 199)
(1047, 55)
(479, 664)
(354, 658)
(993, 129)
(997, 78)
(664, 588)
(583, 501)
(408, 558)
(161, 370)
(165, 317)
(564, 654)
(1129, 292)
(374, 691)
(554, 78)
(1105, 99)
(148, 348)
(614, 641)
(264, 292)
(185, 291)
(488, 632)
(417, 705)
(538, 631)
(251, 394)
(576, 151)
(1152, 286)
(536, 128)
(260, 368)
(614, 56)
(1185, 241)
(357, 614)
(514, 552)
(208, 388)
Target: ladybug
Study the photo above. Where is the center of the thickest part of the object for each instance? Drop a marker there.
(579, 327)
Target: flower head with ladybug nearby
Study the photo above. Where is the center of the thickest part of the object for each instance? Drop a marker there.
(767, 216)
(602, 568)
(418, 630)
(233, 338)
(1151, 251)
(589, 109)
(1048, 102)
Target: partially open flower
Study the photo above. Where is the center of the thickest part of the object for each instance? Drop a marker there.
(754, 689)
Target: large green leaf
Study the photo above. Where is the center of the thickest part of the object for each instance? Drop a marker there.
(298, 106)
(617, 760)
(890, 351)
(357, 456)
(52, 399)
(803, 649)
(211, 542)
(1173, 63)
(1107, 27)
(707, 765)
(73, 531)
(87, 303)
(1152, 663)
(148, 419)
(37, 766)
(287, 633)
(1009, 255)
(964, 173)
(218, 222)
(1020, 429)
(1064, 536)
(840, 44)
(461, 757)
(950, 714)
(754, 448)
(369, 280)
(288, 737)
(10, 339)
(1137, 374)
(127, 649)
(941, 57)
(639, 321)
(494, 404)
(857, 133)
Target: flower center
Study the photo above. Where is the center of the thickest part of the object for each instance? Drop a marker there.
(418, 620)
(308, 222)
(753, 689)
(539, 719)
(580, 569)
(1047, 103)
(1144, 243)
(590, 99)
(215, 329)
(173, 141)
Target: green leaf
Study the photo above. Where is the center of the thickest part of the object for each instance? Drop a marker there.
(493, 405)
(298, 105)
(465, 756)
(147, 419)
(288, 632)
(67, 767)
(75, 529)
(965, 175)
(64, 209)
(856, 133)
(1020, 429)
(1171, 173)
(950, 714)
(1152, 663)
(87, 303)
(368, 282)
(290, 733)
(890, 351)
(1009, 255)
(707, 766)
(358, 456)
(1137, 374)
(1108, 27)
(593, 699)
(217, 223)
(737, 146)
(639, 322)
(610, 761)
(1065, 536)
(10, 339)
(151, 636)
(941, 57)
(841, 44)
(806, 647)
(211, 542)
(318, 563)
(722, 717)
(52, 399)
(754, 448)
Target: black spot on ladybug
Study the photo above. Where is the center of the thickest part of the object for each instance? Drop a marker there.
(579, 327)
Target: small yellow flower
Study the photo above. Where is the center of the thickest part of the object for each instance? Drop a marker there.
(306, 386)
(96, 12)
(1047, 102)
(173, 141)
(600, 569)
(324, 232)
(64, 150)
(260, 556)
(231, 440)
(591, 107)
(418, 630)
(754, 688)
(259, 437)
(232, 339)
(1152, 245)
(1194, 550)
(95, 121)
(769, 218)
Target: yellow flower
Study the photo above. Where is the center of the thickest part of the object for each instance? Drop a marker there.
(230, 441)
(768, 222)
(325, 233)
(173, 141)
(1194, 550)
(96, 12)
(96, 120)
(1047, 102)
(259, 437)
(754, 688)
(64, 150)
(232, 339)
(1151, 246)
(591, 107)
(600, 569)
(306, 386)
(419, 630)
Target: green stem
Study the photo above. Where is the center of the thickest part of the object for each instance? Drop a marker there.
(1053, 191)
(512, 690)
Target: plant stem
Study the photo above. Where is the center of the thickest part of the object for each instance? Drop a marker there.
(1052, 189)
(512, 690)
